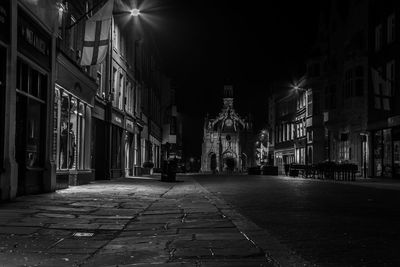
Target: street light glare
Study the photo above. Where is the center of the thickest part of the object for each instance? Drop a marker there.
(135, 12)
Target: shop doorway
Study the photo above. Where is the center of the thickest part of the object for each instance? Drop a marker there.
(30, 127)
(100, 158)
(3, 65)
(244, 162)
(230, 163)
(129, 155)
(213, 162)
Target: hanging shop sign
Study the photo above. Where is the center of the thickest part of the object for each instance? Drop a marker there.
(5, 21)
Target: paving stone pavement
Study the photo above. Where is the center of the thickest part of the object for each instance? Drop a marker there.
(134, 222)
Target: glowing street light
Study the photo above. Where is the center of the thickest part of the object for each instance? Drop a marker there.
(298, 88)
(135, 12)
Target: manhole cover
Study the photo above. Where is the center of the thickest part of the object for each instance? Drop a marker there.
(82, 234)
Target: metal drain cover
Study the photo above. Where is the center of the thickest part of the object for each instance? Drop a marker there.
(83, 234)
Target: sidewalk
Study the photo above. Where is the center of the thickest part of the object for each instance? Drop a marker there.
(133, 222)
(378, 183)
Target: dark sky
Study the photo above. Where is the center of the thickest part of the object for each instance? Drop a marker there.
(206, 44)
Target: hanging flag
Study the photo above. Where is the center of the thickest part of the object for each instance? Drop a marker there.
(97, 36)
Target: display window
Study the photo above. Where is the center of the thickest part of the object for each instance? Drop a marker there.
(387, 153)
(396, 158)
(383, 153)
(71, 131)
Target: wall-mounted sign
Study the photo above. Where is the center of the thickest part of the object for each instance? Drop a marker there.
(98, 112)
(5, 21)
(117, 120)
(394, 121)
(32, 40)
(130, 126)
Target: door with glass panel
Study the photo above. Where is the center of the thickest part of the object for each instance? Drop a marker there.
(30, 127)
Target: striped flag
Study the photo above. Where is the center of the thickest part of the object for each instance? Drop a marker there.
(97, 36)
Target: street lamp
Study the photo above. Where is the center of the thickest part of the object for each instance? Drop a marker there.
(135, 12)
(298, 88)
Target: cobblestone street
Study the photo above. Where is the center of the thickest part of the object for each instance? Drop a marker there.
(129, 222)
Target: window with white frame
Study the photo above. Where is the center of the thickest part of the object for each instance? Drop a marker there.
(378, 37)
(115, 90)
(288, 131)
(344, 146)
(359, 81)
(116, 36)
(72, 33)
(348, 83)
(391, 30)
(309, 103)
(129, 98)
(390, 76)
(293, 125)
(121, 91)
(99, 81)
(283, 132)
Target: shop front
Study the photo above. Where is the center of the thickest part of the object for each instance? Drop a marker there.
(72, 124)
(138, 149)
(284, 157)
(99, 141)
(300, 151)
(386, 152)
(129, 146)
(4, 41)
(117, 169)
(32, 83)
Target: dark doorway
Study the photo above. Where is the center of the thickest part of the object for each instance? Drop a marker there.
(213, 162)
(230, 164)
(30, 127)
(29, 144)
(100, 149)
(244, 162)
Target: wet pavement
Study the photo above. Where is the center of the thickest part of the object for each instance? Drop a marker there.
(133, 222)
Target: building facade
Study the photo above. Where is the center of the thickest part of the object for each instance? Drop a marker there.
(227, 141)
(283, 105)
(350, 112)
(384, 96)
(172, 125)
(63, 124)
(27, 45)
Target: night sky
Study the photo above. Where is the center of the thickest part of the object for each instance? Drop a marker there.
(206, 44)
